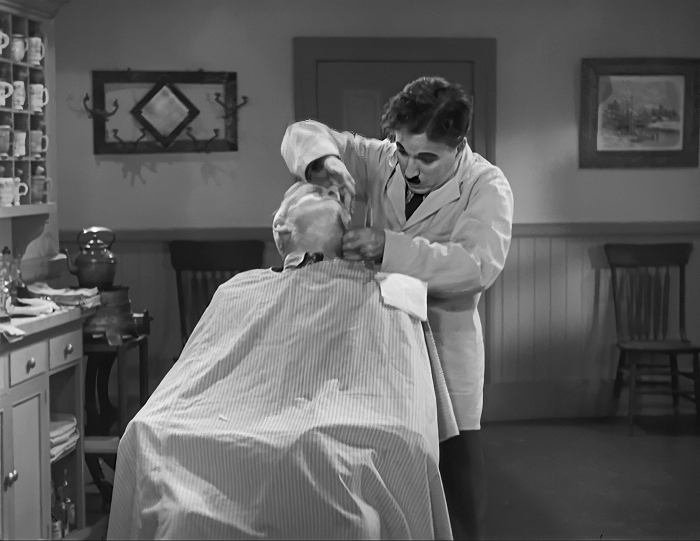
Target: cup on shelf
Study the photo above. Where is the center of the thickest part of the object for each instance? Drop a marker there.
(4, 40)
(39, 189)
(19, 96)
(7, 191)
(38, 142)
(21, 189)
(6, 90)
(19, 144)
(19, 47)
(38, 96)
(5, 131)
(35, 50)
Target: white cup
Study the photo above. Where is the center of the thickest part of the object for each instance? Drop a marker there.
(7, 191)
(38, 142)
(19, 47)
(19, 96)
(4, 40)
(19, 187)
(35, 50)
(19, 144)
(6, 90)
(38, 96)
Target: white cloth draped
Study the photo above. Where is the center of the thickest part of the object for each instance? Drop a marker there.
(301, 407)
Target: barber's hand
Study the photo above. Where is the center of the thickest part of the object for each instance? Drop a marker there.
(364, 244)
(334, 171)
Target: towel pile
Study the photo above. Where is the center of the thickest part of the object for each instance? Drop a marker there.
(85, 297)
(63, 433)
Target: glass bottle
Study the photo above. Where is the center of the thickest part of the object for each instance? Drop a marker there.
(5, 287)
(69, 506)
(19, 288)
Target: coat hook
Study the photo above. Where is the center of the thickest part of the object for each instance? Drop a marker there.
(216, 134)
(120, 141)
(143, 134)
(195, 141)
(99, 112)
(229, 112)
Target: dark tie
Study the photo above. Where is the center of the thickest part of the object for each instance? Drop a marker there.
(413, 203)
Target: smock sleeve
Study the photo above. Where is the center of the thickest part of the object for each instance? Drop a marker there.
(309, 140)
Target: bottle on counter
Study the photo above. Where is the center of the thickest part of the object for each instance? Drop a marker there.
(19, 288)
(56, 522)
(5, 286)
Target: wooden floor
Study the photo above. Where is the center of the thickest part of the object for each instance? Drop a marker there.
(582, 479)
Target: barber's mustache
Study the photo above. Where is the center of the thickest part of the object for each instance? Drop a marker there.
(413, 180)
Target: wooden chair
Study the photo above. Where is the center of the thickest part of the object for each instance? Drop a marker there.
(642, 291)
(202, 266)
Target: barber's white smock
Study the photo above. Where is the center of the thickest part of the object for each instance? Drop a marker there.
(456, 241)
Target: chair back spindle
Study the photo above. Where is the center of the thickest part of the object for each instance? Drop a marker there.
(642, 288)
(202, 266)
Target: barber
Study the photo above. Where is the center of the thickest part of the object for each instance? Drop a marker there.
(440, 213)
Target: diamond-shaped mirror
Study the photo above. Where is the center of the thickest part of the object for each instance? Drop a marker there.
(164, 112)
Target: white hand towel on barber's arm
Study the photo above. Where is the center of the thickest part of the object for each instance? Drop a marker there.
(405, 293)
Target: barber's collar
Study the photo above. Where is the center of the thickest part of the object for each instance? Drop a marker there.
(296, 260)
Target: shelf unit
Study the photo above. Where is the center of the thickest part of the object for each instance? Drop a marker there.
(43, 372)
(17, 118)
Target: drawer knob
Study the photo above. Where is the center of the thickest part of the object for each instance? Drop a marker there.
(31, 363)
(68, 350)
(11, 478)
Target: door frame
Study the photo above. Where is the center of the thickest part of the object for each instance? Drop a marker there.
(481, 52)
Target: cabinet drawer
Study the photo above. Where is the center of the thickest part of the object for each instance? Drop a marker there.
(65, 348)
(28, 362)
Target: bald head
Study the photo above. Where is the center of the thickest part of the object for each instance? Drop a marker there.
(310, 219)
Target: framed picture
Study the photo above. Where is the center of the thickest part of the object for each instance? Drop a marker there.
(163, 111)
(639, 112)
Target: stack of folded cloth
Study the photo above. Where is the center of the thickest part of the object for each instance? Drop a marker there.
(84, 296)
(63, 433)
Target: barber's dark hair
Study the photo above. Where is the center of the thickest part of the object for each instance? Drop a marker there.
(433, 106)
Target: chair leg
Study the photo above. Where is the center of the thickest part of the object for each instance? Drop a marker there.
(696, 385)
(618, 376)
(632, 361)
(674, 382)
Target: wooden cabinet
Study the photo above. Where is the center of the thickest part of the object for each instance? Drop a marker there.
(41, 374)
(27, 481)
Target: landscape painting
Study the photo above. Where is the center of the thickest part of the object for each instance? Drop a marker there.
(639, 112)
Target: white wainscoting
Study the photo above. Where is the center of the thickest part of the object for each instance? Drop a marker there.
(549, 321)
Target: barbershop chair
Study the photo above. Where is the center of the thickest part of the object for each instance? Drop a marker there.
(202, 266)
(642, 280)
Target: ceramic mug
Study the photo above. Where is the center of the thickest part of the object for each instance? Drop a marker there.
(19, 47)
(7, 191)
(5, 131)
(38, 142)
(39, 190)
(38, 96)
(19, 144)
(35, 50)
(21, 189)
(6, 90)
(19, 96)
(4, 40)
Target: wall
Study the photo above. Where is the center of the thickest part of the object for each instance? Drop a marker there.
(540, 46)
(537, 365)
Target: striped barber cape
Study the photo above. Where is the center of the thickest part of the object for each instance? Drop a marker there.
(302, 407)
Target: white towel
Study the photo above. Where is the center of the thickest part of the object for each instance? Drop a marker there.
(61, 424)
(68, 444)
(405, 293)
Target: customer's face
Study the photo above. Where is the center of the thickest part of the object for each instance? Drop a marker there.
(309, 219)
(425, 164)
